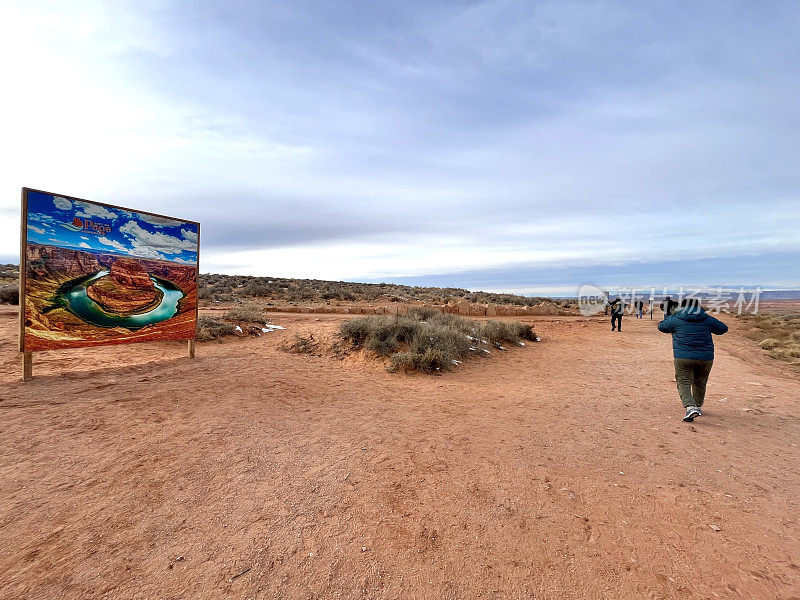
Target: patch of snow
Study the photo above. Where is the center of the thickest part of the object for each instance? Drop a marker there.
(273, 327)
(522, 343)
(239, 329)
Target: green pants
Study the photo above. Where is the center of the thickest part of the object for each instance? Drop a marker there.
(691, 377)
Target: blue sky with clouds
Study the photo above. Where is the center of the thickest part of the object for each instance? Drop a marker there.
(71, 223)
(528, 146)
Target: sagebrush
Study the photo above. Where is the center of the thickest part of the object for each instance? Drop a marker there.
(210, 328)
(778, 334)
(430, 341)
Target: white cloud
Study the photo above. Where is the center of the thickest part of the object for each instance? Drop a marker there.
(84, 245)
(189, 235)
(146, 252)
(113, 243)
(184, 261)
(41, 218)
(62, 203)
(157, 221)
(162, 242)
(83, 237)
(36, 229)
(88, 211)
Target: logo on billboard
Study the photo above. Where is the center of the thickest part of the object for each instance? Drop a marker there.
(89, 226)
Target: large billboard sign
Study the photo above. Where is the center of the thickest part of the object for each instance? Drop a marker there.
(94, 274)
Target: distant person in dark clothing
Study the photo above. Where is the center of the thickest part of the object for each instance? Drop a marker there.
(617, 309)
(693, 351)
(639, 304)
(668, 306)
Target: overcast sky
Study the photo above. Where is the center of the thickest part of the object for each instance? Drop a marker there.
(528, 146)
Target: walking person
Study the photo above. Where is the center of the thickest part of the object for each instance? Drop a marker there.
(693, 351)
(639, 305)
(668, 306)
(617, 307)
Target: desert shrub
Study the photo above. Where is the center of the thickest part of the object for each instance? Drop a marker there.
(403, 361)
(249, 314)
(9, 294)
(357, 330)
(778, 334)
(382, 346)
(451, 343)
(523, 331)
(427, 340)
(256, 289)
(432, 360)
(423, 313)
(209, 328)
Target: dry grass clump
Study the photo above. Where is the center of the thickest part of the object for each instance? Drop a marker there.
(430, 341)
(9, 294)
(209, 328)
(246, 313)
(778, 334)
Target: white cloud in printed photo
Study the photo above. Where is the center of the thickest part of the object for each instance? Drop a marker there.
(189, 235)
(158, 241)
(157, 221)
(62, 203)
(90, 211)
(113, 243)
(142, 251)
(42, 218)
(36, 229)
(84, 245)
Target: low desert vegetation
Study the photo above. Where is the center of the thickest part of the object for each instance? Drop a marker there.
(210, 328)
(777, 334)
(9, 274)
(247, 313)
(231, 288)
(430, 341)
(9, 294)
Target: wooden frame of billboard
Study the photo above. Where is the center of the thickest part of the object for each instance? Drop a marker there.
(27, 357)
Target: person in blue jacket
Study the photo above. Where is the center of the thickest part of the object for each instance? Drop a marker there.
(693, 350)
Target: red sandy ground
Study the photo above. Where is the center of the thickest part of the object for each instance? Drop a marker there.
(558, 470)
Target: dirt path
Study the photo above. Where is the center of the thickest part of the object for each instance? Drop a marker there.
(559, 470)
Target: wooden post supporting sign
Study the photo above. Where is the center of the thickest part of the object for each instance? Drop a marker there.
(27, 366)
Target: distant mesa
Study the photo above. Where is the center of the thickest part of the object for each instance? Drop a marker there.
(126, 290)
